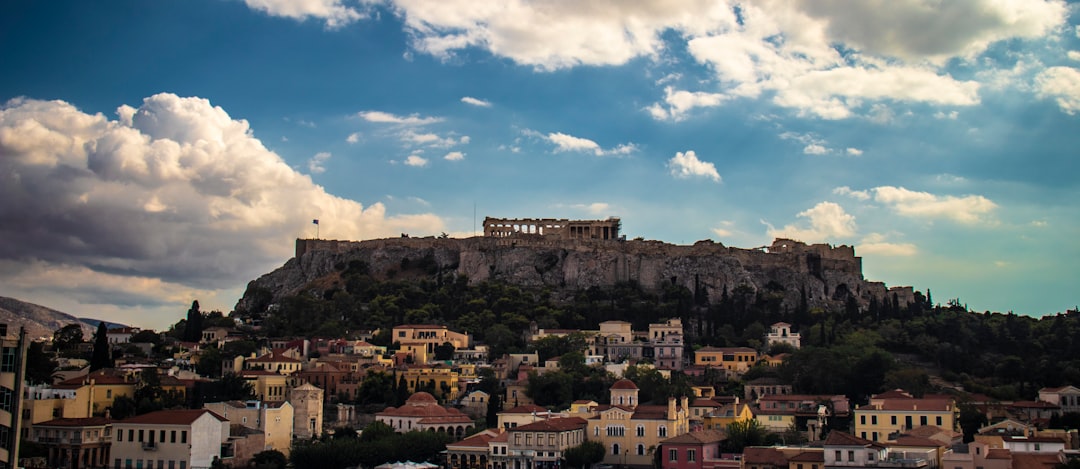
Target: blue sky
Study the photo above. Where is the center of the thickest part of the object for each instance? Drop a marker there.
(152, 153)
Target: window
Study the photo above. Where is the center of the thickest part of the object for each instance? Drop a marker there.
(183, 440)
(673, 455)
(615, 449)
(172, 436)
(1037, 447)
(662, 431)
(893, 420)
(862, 420)
(131, 434)
(691, 455)
(108, 393)
(8, 360)
(120, 435)
(870, 456)
(161, 436)
(640, 430)
(851, 456)
(873, 420)
(141, 436)
(937, 420)
(640, 449)
(907, 422)
(922, 420)
(838, 458)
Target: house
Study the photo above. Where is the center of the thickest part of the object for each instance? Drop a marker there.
(780, 333)
(1033, 444)
(75, 442)
(277, 361)
(120, 335)
(419, 340)
(422, 412)
(898, 412)
(695, 450)
(810, 458)
(179, 439)
(101, 387)
(1033, 411)
(269, 386)
(475, 403)
(719, 419)
(755, 457)
(757, 388)
(273, 420)
(1066, 397)
(733, 360)
(540, 445)
(524, 415)
(844, 450)
(439, 380)
(472, 452)
(666, 339)
(777, 413)
(977, 455)
(629, 433)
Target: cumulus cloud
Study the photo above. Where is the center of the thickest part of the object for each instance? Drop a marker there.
(680, 103)
(1061, 84)
(454, 156)
(966, 209)
(416, 161)
(475, 101)
(853, 151)
(388, 118)
(570, 143)
(876, 244)
(429, 139)
(815, 149)
(687, 165)
(826, 221)
(845, 190)
(317, 163)
(724, 230)
(174, 196)
(333, 12)
(353, 137)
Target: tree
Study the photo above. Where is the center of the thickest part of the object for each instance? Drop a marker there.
(742, 434)
(493, 409)
(67, 339)
(444, 352)
(269, 459)
(39, 365)
(584, 455)
(101, 357)
(193, 327)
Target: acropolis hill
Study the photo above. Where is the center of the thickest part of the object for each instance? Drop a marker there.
(569, 255)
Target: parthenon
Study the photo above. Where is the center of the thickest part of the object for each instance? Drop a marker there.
(552, 228)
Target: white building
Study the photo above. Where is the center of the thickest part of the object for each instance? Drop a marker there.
(780, 333)
(173, 439)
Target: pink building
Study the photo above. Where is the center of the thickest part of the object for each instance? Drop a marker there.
(696, 450)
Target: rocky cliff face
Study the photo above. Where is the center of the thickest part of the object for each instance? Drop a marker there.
(826, 273)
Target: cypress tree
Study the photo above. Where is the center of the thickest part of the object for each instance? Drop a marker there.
(101, 357)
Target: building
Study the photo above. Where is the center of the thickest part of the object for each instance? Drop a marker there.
(720, 418)
(540, 445)
(273, 420)
(422, 412)
(757, 388)
(75, 443)
(898, 412)
(779, 412)
(630, 433)
(419, 340)
(552, 228)
(1065, 397)
(780, 333)
(695, 450)
(472, 452)
(277, 361)
(439, 380)
(269, 386)
(733, 360)
(173, 439)
(12, 374)
(524, 415)
(843, 450)
(666, 339)
(307, 404)
(475, 403)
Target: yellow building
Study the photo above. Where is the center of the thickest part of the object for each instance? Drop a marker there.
(734, 360)
(719, 419)
(100, 388)
(273, 420)
(898, 412)
(268, 385)
(630, 434)
(277, 361)
(420, 340)
(441, 381)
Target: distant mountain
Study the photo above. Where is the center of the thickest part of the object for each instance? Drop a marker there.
(39, 321)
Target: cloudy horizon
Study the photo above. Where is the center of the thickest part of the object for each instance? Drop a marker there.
(179, 159)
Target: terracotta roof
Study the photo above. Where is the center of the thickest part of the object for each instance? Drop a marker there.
(171, 417)
(1032, 439)
(1034, 405)
(275, 356)
(893, 394)
(916, 441)
(553, 425)
(699, 402)
(727, 349)
(76, 422)
(1035, 461)
(998, 453)
(809, 456)
(524, 409)
(624, 384)
(767, 456)
(479, 440)
(839, 438)
(695, 438)
(917, 405)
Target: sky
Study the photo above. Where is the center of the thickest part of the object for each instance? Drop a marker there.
(155, 153)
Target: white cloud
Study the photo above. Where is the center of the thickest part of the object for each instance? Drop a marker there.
(454, 156)
(812, 144)
(174, 195)
(966, 209)
(1073, 55)
(409, 137)
(388, 118)
(724, 230)
(876, 244)
(1063, 85)
(353, 137)
(687, 165)
(827, 222)
(475, 101)
(946, 115)
(316, 165)
(570, 143)
(595, 208)
(416, 161)
(853, 151)
(845, 190)
(815, 149)
(333, 12)
(679, 103)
